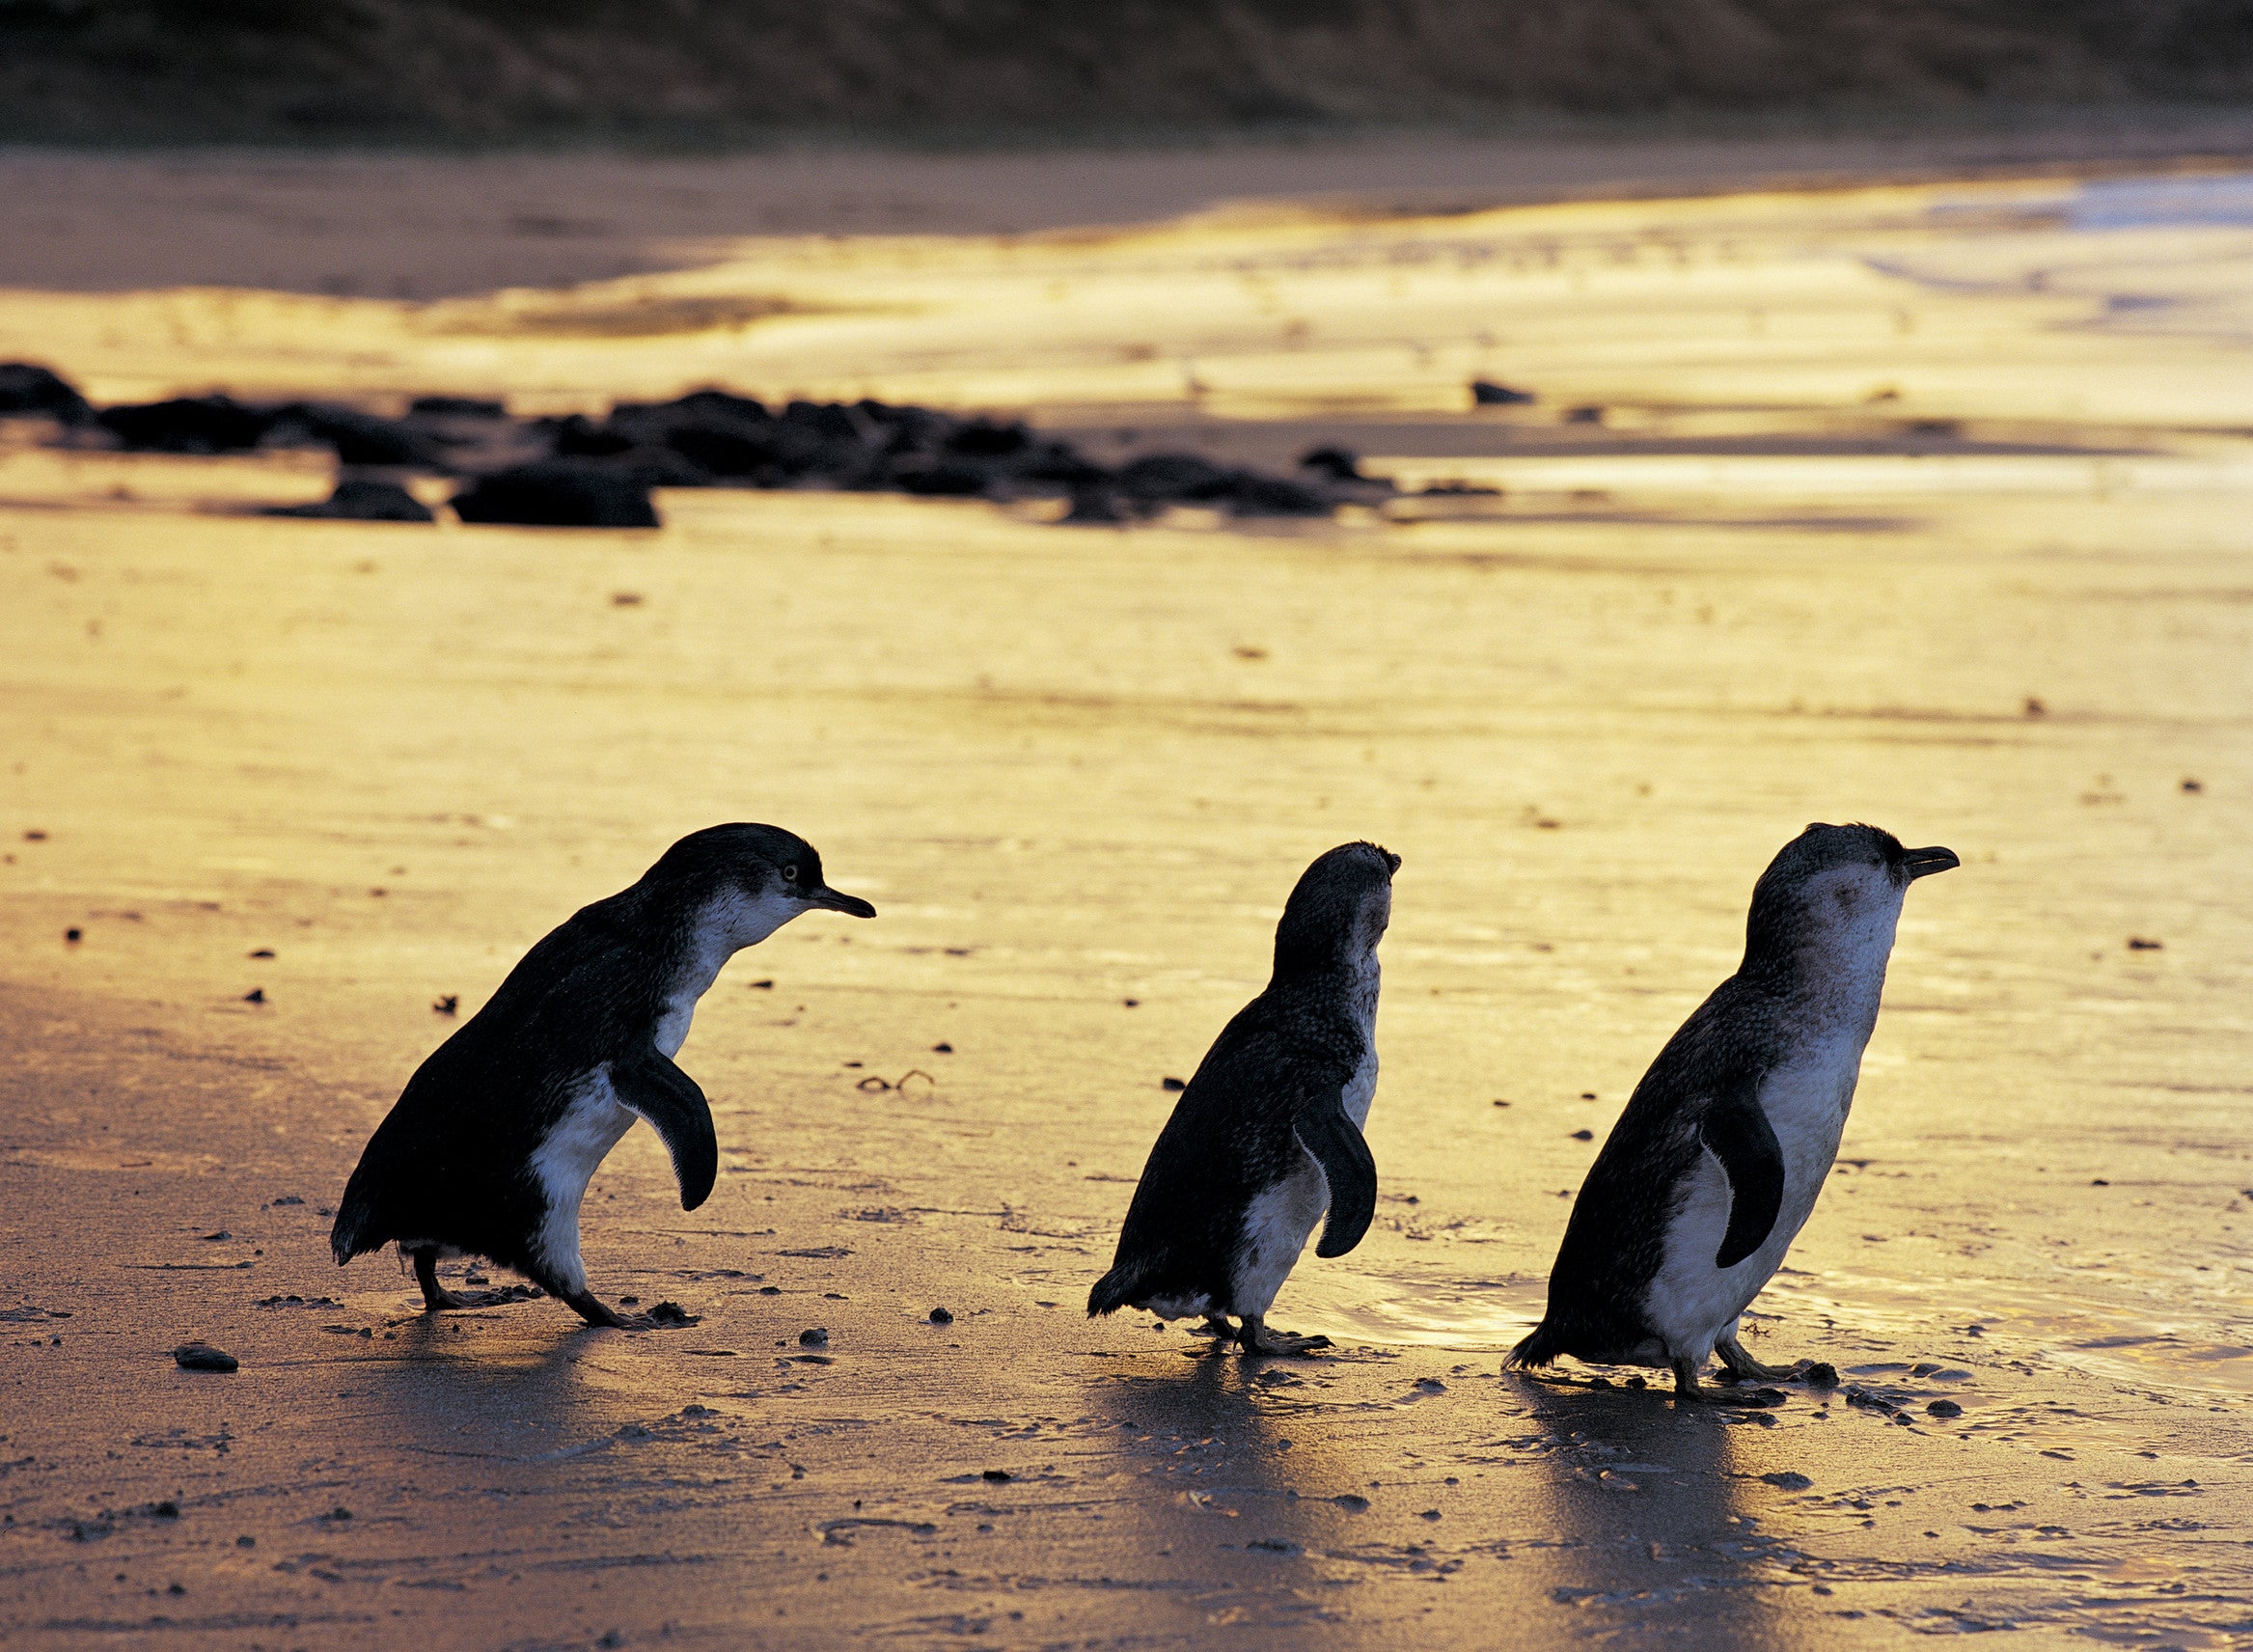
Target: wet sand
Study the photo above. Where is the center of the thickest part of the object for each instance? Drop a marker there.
(1074, 768)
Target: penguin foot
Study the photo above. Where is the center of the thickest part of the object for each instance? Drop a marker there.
(1216, 1325)
(591, 1308)
(1739, 1364)
(1257, 1339)
(435, 1296)
(1686, 1387)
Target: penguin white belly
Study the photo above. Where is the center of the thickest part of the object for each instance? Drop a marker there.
(565, 1160)
(1282, 1218)
(1691, 1304)
(1276, 1225)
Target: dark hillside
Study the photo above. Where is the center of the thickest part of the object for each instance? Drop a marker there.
(694, 71)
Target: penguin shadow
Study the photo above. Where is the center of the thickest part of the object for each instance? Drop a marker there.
(1645, 1502)
(499, 1382)
(1252, 1467)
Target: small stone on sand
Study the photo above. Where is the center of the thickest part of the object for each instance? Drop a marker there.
(940, 1316)
(203, 1357)
(816, 1338)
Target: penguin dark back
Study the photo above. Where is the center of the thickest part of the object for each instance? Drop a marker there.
(1268, 1134)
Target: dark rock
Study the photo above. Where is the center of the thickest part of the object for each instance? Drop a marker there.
(1787, 1480)
(1250, 494)
(1339, 464)
(358, 438)
(449, 1005)
(940, 1316)
(946, 478)
(766, 451)
(457, 407)
(1820, 1375)
(1486, 394)
(203, 1357)
(1159, 476)
(27, 388)
(577, 436)
(984, 439)
(1944, 1408)
(356, 501)
(1171, 1084)
(671, 1313)
(816, 1338)
(559, 493)
(186, 424)
(996, 1475)
(833, 422)
(1583, 1135)
(661, 467)
(1093, 505)
(256, 995)
(1057, 462)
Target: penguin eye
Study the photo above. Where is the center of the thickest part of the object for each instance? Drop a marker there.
(789, 874)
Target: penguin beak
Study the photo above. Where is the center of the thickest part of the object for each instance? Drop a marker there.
(851, 905)
(1923, 863)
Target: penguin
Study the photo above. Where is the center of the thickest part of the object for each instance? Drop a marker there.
(489, 1148)
(1268, 1131)
(1719, 1157)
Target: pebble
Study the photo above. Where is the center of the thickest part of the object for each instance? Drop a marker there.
(940, 1316)
(1944, 1408)
(1788, 1480)
(203, 1357)
(816, 1338)
(1821, 1375)
(672, 1313)
(995, 1474)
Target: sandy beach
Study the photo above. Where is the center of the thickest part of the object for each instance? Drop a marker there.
(1917, 501)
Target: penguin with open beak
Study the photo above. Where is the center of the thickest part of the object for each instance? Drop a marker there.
(489, 1148)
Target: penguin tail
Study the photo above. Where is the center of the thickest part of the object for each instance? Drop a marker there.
(1114, 1291)
(1539, 1348)
(350, 1236)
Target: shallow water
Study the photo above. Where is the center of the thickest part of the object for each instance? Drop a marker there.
(1074, 769)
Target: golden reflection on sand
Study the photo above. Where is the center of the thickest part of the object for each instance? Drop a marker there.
(1075, 768)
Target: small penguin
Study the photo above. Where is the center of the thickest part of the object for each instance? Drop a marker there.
(1716, 1161)
(489, 1148)
(1268, 1131)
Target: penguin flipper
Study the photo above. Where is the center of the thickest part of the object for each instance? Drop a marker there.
(1737, 1132)
(1323, 1130)
(651, 1086)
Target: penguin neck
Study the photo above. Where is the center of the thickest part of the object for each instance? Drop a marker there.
(1357, 977)
(713, 932)
(1833, 978)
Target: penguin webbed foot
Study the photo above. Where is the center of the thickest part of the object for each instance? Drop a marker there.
(1254, 1338)
(436, 1298)
(1687, 1390)
(598, 1313)
(1741, 1365)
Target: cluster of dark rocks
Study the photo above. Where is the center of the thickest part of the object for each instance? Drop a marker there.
(599, 473)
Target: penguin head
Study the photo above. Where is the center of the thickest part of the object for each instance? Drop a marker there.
(762, 874)
(1337, 913)
(1835, 891)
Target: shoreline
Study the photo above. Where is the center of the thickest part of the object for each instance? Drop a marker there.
(420, 226)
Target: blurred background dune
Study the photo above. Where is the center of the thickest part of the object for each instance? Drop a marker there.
(700, 71)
